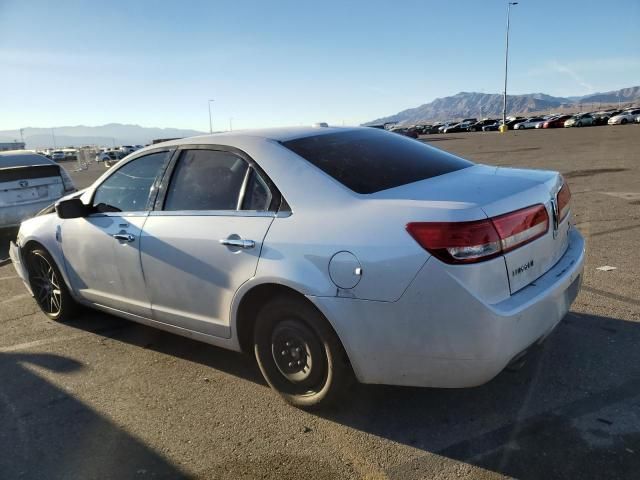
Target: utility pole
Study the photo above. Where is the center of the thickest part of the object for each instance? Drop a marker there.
(210, 124)
(231, 124)
(503, 128)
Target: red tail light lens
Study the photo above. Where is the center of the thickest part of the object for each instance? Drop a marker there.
(468, 242)
(522, 226)
(457, 242)
(564, 202)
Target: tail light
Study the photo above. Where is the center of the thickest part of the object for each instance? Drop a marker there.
(468, 242)
(564, 202)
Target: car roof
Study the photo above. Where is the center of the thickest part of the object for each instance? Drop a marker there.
(277, 134)
(22, 158)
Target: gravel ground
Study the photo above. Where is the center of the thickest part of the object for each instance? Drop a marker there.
(101, 397)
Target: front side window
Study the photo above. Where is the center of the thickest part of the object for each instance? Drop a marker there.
(127, 190)
(206, 180)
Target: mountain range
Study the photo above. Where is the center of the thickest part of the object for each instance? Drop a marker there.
(112, 134)
(481, 105)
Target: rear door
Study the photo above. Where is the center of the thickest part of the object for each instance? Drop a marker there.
(203, 241)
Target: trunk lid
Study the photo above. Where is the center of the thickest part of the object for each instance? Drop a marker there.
(20, 185)
(497, 191)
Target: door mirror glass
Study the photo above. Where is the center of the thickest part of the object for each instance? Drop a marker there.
(71, 208)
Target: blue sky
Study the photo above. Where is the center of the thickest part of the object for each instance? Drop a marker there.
(269, 63)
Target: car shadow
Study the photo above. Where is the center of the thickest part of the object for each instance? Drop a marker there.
(7, 235)
(571, 412)
(47, 433)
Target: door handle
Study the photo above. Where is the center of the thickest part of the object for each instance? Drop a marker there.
(237, 242)
(124, 237)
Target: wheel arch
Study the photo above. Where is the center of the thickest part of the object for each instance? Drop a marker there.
(254, 299)
(32, 244)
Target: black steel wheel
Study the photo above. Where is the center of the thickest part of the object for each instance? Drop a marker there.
(48, 287)
(299, 354)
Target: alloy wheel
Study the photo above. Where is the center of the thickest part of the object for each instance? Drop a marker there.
(45, 284)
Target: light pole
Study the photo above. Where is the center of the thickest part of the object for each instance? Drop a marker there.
(506, 68)
(53, 135)
(210, 127)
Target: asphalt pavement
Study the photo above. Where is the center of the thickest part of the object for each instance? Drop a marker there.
(101, 397)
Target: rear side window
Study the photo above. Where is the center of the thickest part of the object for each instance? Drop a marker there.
(257, 195)
(206, 180)
(371, 160)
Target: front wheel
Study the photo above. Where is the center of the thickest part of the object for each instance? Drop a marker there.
(624, 121)
(300, 355)
(48, 286)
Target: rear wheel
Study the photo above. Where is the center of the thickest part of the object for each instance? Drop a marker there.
(48, 286)
(300, 355)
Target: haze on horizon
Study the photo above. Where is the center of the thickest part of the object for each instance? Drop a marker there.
(157, 63)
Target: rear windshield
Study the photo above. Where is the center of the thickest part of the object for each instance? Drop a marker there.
(371, 160)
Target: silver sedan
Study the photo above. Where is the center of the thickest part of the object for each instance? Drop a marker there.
(333, 254)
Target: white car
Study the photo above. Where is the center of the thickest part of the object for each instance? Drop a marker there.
(529, 123)
(28, 183)
(127, 149)
(331, 253)
(58, 155)
(628, 116)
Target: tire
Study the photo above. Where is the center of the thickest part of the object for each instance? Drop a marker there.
(299, 354)
(624, 121)
(48, 286)
(579, 124)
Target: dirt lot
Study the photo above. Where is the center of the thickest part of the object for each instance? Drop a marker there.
(101, 397)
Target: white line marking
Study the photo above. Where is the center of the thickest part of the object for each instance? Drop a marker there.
(9, 278)
(38, 343)
(15, 298)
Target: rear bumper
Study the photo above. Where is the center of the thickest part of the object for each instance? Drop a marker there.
(439, 334)
(12, 216)
(18, 265)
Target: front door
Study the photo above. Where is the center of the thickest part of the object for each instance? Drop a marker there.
(204, 241)
(102, 250)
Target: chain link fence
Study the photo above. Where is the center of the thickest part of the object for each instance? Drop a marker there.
(85, 156)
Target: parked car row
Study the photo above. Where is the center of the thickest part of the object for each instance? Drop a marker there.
(58, 155)
(607, 117)
(116, 153)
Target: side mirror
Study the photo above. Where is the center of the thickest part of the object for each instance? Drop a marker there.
(71, 208)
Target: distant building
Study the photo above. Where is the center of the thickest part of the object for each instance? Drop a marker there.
(11, 146)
